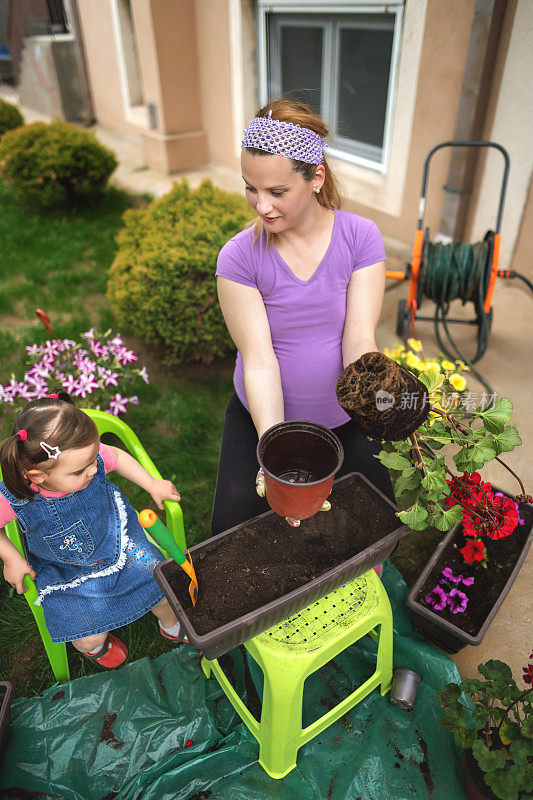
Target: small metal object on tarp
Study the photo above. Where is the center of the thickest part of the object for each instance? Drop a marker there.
(404, 687)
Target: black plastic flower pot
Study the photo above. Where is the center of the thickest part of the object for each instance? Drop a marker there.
(299, 460)
(445, 634)
(219, 640)
(6, 695)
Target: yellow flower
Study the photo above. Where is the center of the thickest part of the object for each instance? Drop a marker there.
(461, 366)
(445, 364)
(457, 381)
(415, 344)
(430, 364)
(412, 360)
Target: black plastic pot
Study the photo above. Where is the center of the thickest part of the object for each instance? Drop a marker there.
(299, 460)
(220, 640)
(475, 785)
(6, 695)
(441, 631)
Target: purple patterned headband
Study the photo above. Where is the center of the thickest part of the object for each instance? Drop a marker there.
(284, 139)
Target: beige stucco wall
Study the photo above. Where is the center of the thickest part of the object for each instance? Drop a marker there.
(102, 63)
(440, 75)
(509, 122)
(169, 66)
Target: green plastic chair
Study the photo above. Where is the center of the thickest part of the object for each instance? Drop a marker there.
(288, 653)
(106, 423)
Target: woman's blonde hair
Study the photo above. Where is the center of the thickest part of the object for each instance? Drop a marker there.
(299, 114)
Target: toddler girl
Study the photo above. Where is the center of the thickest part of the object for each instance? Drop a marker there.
(90, 559)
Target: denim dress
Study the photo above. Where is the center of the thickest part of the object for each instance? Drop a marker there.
(94, 565)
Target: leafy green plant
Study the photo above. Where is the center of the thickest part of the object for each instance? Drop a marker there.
(162, 282)
(423, 482)
(10, 117)
(494, 718)
(54, 164)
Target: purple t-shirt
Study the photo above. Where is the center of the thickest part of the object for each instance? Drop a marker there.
(306, 317)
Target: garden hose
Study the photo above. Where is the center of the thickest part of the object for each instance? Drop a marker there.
(459, 272)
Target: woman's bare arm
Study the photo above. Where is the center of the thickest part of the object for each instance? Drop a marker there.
(363, 309)
(247, 323)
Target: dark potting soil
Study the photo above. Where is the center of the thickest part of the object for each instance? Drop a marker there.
(265, 559)
(488, 583)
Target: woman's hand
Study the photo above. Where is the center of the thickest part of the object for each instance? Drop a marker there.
(14, 571)
(161, 489)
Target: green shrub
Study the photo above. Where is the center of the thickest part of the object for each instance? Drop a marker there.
(10, 117)
(162, 282)
(54, 164)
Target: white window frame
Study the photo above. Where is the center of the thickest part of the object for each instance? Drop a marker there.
(308, 7)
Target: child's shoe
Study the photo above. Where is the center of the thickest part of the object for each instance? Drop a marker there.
(113, 653)
(176, 638)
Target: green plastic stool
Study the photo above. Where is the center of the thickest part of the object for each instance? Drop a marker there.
(106, 423)
(288, 653)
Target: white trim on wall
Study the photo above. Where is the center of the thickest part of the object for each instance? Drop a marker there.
(237, 77)
(134, 114)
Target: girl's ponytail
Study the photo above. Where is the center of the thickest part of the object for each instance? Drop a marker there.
(55, 420)
(13, 468)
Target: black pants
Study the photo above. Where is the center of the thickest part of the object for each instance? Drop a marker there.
(235, 497)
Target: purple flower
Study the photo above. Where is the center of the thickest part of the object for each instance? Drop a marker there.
(89, 334)
(437, 598)
(34, 350)
(116, 341)
(134, 400)
(143, 373)
(468, 581)
(70, 384)
(110, 378)
(447, 572)
(117, 405)
(125, 356)
(98, 349)
(457, 601)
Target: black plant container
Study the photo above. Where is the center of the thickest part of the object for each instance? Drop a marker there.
(6, 695)
(441, 631)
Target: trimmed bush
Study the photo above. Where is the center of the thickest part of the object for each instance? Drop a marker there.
(162, 282)
(54, 164)
(10, 117)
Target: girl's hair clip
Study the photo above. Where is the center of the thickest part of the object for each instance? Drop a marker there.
(51, 452)
(54, 396)
(22, 434)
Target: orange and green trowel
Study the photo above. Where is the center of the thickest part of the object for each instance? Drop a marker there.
(151, 522)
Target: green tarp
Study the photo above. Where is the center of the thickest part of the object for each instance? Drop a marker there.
(126, 734)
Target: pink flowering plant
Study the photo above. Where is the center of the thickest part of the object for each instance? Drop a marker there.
(447, 594)
(98, 370)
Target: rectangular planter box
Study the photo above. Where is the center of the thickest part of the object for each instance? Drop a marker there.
(6, 695)
(226, 637)
(441, 631)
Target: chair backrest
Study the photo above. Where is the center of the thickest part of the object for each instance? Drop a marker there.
(107, 423)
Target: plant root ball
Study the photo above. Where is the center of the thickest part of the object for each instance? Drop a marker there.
(385, 399)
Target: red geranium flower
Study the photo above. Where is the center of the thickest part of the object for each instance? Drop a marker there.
(528, 672)
(473, 551)
(484, 514)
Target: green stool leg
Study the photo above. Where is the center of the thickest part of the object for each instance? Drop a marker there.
(385, 646)
(281, 718)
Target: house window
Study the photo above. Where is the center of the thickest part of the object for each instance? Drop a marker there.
(342, 64)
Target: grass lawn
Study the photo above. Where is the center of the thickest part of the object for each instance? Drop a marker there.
(59, 263)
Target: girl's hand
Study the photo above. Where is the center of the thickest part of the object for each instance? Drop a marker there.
(14, 571)
(163, 490)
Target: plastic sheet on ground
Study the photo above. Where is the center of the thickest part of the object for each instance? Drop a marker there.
(123, 734)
